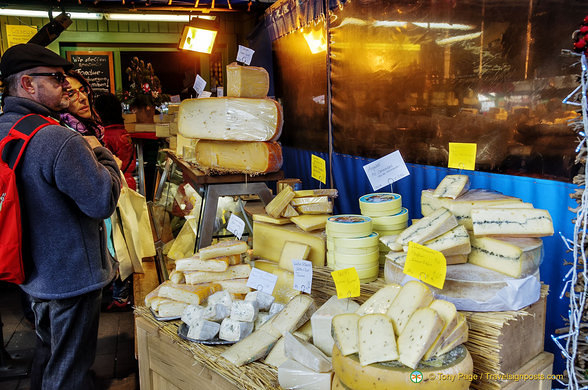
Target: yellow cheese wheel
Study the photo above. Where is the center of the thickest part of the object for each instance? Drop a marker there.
(359, 260)
(336, 384)
(356, 251)
(380, 204)
(386, 221)
(369, 241)
(452, 371)
(349, 225)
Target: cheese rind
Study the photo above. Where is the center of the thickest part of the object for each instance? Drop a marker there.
(448, 313)
(380, 204)
(232, 272)
(377, 341)
(458, 336)
(511, 256)
(411, 297)
(512, 222)
(238, 157)
(321, 321)
(345, 332)
(429, 227)
(349, 225)
(247, 81)
(452, 186)
(306, 354)
(420, 333)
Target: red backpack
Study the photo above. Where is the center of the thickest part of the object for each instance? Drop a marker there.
(12, 148)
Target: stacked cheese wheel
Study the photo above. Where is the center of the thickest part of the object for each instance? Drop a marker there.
(351, 242)
(387, 214)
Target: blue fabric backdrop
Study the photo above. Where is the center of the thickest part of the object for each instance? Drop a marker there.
(349, 178)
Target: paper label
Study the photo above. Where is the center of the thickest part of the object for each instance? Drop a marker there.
(425, 264)
(199, 85)
(220, 91)
(262, 281)
(462, 155)
(318, 169)
(236, 226)
(346, 282)
(302, 275)
(386, 170)
(205, 94)
(244, 55)
(175, 99)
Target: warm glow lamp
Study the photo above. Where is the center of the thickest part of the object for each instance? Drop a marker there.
(316, 40)
(199, 36)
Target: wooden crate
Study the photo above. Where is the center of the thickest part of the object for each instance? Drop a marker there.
(542, 364)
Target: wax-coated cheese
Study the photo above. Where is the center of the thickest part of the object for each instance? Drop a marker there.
(230, 119)
(511, 256)
(253, 158)
(192, 313)
(446, 310)
(253, 347)
(345, 331)
(293, 375)
(203, 330)
(263, 300)
(381, 301)
(310, 222)
(316, 208)
(321, 321)
(223, 248)
(247, 81)
(368, 260)
(221, 297)
(234, 330)
(349, 225)
(266, 218)
(193, 295)
(420, 333)
(216, 312)
(305, 353)
(452, 186)
(454, 242)
(194, 263)
(171, 308)
(411, 297)
(512, 222)
(429, 227)
(293, 251)
(380, 204)
(342, 244)
(377, 341)
(279, 202)
(296, 313)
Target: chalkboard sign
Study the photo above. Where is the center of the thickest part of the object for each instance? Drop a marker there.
(97, 67)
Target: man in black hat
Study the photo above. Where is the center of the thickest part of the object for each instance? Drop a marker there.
(67, 188)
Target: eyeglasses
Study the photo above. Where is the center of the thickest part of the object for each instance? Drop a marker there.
(74, 94)
(60, 77)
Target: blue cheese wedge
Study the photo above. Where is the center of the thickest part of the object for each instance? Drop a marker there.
(376, 340)
(411, 297)
(216, 312)
(321, 321)
(203, 330)
(346, 332)
(429, 227)
(420, 333)
(264, 300)
(454, 242)
(306, 354)
(380, 302)
(220, 297)
(233, 330)
(452, 186)
(244, 311)
(519, 222)
(192, 313)
(511, 256)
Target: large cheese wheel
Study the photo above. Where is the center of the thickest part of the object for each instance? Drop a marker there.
(395, 376)
(230, 119)
(238, 157)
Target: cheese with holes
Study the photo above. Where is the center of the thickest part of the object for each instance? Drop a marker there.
(263, 300)
(454, 242)
(377, 341)
(266, 218)
(253, 347)
(230, 119)
(420, 333)
(225, 157)
(429, 227)
(223, 248)
(221, 298)
(193, 295)
(171, 308)
(235, 287)
(247, 81)
(293, 375)
(295, 314)
(381, 301)
(232, 272)
(322, 318)
(192, 313)
(216, 312)
(380, 204)
(310, 222)
(203, 330)
(306, 353)
(511, 256)
(349, 225)
(512, 222)
(293, 251)
(234, 330)
(452, 186)
(194, 263)
(345, 331)
(411, 297)
(448, 313)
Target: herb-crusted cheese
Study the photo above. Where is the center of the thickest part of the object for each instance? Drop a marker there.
(376, 341)
(512, 222)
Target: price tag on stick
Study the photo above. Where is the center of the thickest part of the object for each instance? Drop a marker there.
(262, 281)
(346, 282)
(302, 275)
(245, 54)
(386, 170)
(199, 85)
(236, 226)
(318, 168)
(462, 155)
(425, 264)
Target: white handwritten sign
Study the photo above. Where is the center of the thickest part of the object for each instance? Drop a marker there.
(302, 275)
(386, 170)
(199, 85)
(205, 94)
(262, 281)
(245, 54)
(236, 226)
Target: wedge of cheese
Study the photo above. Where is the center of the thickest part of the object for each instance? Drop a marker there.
(171, 308)
(380, 302)
(446, 310)
(309, 200)
(193, 295)
(230, 119)
(234, 330)
(264, 301)
(454, 242)
(192, 313)
(203, 330)
(310, 222)
(306, 353)
(267, 219)
(216, 312)
(289, 212)
(195, 263)
(238, 157)
(429, 227)
(458, 336)
(321, 321)
(223, 248)
(420, 333)
(316, 208)
(293, 375)
(345, 329)
(377, 341)
(247, 81)
(232, 272)
(411, 297)
(295, 314)
(235, 287)
(279, 203)
(452, 186)
(277, 355)
(511, 256)
(245, 311)
(253, 347)
(293, 251)
(521, 222)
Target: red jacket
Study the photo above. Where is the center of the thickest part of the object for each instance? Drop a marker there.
(118, 141)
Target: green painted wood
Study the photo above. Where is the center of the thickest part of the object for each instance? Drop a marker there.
(103, 25)
(123, 26)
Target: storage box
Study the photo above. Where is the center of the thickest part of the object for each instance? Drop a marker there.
(540, 368)
(162, 130)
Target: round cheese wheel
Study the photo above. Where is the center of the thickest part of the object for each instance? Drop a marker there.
(365, 274)
(336, 384)
(369, 241)
(389, 222)
(442, 373)
(356, 251)
(349, 225)
(380, 204)
(369, 259)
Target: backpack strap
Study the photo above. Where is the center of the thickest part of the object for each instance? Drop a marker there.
(13, 145)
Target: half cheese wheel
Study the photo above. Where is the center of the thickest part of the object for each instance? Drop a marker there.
(238, 157)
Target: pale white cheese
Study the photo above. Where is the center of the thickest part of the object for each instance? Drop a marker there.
(216, 312)
(244, 311)
(377, 341)
(381, 301)
(203, 330)
(264, 300)
(429, 227)
(306, 354)
(321, 321)
(293, 375)
(452, 186)
(233, 330)
(420, 333)
(345, 328)
(411, 297)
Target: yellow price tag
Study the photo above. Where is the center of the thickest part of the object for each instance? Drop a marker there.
(462, 156)
(425, 264)
(318, 168)
(16, 34)
(346, 282)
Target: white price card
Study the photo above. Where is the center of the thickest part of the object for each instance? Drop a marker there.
(199, 84)
(220, 91)
(236, 226)
(205, 94)
(302, 275)
(245, 54)
(262, 281)
(386, 170)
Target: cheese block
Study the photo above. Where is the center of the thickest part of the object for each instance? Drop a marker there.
(203, 330)
(295, 314)
(391, 242)
(154, 294)
(192, 313)
(247, 81)
(429, 227)
(345, 332)
(349, 225)
(216, 312)
(262, 318)
(230, 119)
(232, 272)
(193, 295)
(277, 355)
(511, 256)
(289, 212)
(275, 308)
(321, 321)
(268, 242)
(266, 218)
(305, 353)
(263, 300)
(155, 302)
(377, 341)
(512, 222)
(411, 297)
(279, 202)
(330, 192)
(448, 313)
(380, 204)
(380, 302)
(458, 336)
(293, 251)
(177, 277)
(293, 375)
(452, 186)
(233, 330)
(223, 248)
(253, 347)
(194, 263)
(309, 200)
(391, 222)
(244, 311)
(283, 290)
(234, 259)
(171, 308)
(235, 286)
(456, 259)
(310, 222)
(420, 333)
(316, 208)
(395, 376)
(454, 242)
(213, 157)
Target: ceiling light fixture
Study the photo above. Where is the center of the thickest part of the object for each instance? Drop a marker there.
(149, 17)
(44, 14)
(199, 35)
